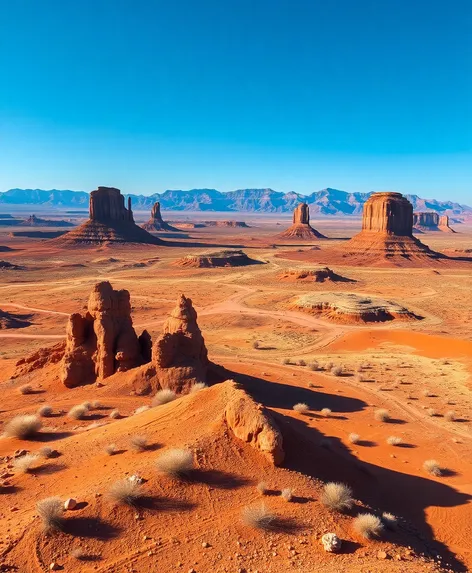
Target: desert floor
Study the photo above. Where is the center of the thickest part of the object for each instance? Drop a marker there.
(419, 370)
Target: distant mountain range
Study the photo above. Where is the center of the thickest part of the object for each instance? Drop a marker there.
(324, 202)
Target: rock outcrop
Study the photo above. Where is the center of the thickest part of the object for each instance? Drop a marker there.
(33, 221)
(443, 224)
(226, 223)
(156, 223)
(39, 359)
(102, 340)
(12, 320)
(425, 221)
(320, 275)
(110, 222)
(301, 228)
(227, 258)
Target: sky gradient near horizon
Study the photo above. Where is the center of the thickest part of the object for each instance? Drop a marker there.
(296, 95)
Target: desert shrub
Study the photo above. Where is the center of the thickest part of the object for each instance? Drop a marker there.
(45, 411)
(431, 412)
(286, 361)
(111, 449)
(432, 467)
(115, 414)
(354, 438)
(23, 427)
(96, 405)
(382, 415)
(359, 378)
(389, 520)
(326, 412)
(46, 452)
(337, 496)
(87, 405)
(329, 365)
(427, 393)
(78, 554)
(163, 397)
(287, 494)
(26, 463)
(262, 487)
(51, 513)
(394, 440)
(175, 462)
(301, 363)
(314, 366)
(301, 408)
(141, 409)
(138, 443)
(197, 387)
(367, 525)
(26, 389)
(258, 516)
(337, 370)
(126, 492)
(255, 344)
(450, 416)
(78, 412)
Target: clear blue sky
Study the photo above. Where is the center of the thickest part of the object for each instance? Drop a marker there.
(297, 95)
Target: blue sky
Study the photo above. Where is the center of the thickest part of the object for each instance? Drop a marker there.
(147, 95)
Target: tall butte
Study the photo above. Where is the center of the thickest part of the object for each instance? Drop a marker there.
(156, 222)
(301, 228)
(109, 222)
(387, 233)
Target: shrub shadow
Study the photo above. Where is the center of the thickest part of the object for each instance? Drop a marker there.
(90, 527)
(217, 479)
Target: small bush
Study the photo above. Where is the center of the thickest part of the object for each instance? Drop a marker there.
(301, 408)
(255, 345)
(111, 449)
(45, 411)
(368, 525)
(328, 366)
(382, 415)
(450, 416)
(164, 397)
(96, 405)
(286, 361)
(258, 516)
(354, 438)
(51, 513)
(262, 487)
(427, 394)
(337, 370)
(326, 412)
(394, 441)
(115, 414)
(337, 496)
(78, 554)
(389, 520)
(314, 366)
(78, 412)
(87, 405)
(197, 387)
(431, 412)
(301, 363)
(138, 443)
(23, 427)
(46, 452)
(26, 389)
(141, 409)
(287, 494)
(433, 468)
(175, 462)
(26, 463)
(126, 492)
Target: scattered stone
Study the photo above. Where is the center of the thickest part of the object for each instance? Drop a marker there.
(70, 504)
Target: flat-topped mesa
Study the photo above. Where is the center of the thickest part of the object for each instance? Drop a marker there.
(108, 204)
(428, 220)
(388, 213)
(102, 340)
(156, 223)
(301, 228)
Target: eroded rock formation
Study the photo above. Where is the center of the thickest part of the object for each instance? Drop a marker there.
(227, 258)
(156, 223)
(33, 221)
(425, 221)
(102, 340)
(301, 228)
(443, 224)
(320, 275)
(110, 222)
(225, 223)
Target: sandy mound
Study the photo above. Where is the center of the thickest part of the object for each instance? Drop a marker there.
(352, 308)
(217, 259)
(320, 275)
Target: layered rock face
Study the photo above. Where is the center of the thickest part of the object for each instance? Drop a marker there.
(227, 258)
(425, 221)
(110, 222)
(388, 213)
(102, 340)
(301, 228)
(316, 275)
(156, 223)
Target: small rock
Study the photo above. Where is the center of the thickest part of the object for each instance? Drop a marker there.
(205, 545)
(54, 566)
(382, 555)
(70, 503)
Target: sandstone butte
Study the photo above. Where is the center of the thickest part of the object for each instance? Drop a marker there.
(429, 221)
(301, 228)
(156, 222)
(109, 222)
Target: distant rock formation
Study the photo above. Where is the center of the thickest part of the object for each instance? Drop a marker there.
(226, 223)
(301, 228)
(33, 221)
(316, 275)
(110, 222)
(102, 340)
(443, 224)
(156, 223)
(11, 320)
(7, 266)
(424, 222)
(227, 258)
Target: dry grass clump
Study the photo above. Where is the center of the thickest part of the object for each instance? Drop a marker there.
(78, 554)
(427, 393)
(115, 414)
(262, 487)
(96, 405)
(51, 513)
(141, 409)
(329, 366)
(394, 440)
(26, 389)
(431, 412)
(337, 370)
(125, 492)
(255, 344)
(287, 494)
(164, 397)
(78, 412)
(26, 463)
(301, 363)
(138, 443)
(450, 416)
(368, 525)
(301, 408)
(389, 520)
(258, 516)
(326, 412)
(382, 415)
(433, 468)
(314, 366)
(111, 449)
(197, 387)
(22, 427)
(46, 452)
(354, 438)
(359, 378)
(175, 462)
(45, 411)
(337, 496)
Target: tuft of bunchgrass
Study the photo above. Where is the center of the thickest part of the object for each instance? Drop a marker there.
(431, 412)
(164, 397)
(286, 361)
(301, 363)
(337, 496)
(141, 409)
(390, 521)
(111, 449)
(262, 488)
(26, 389)
(46, 452)
(287, 494)
(51, 513)
(138, 443)
(337, 370)
(115, 415)
(301, 408)
(176, 462)
(96, 405)
(78, 412)
(27, 463)
(23, 427)
(258, 516)
(197, 387)
(314, 366)
(78, 554)
(354, 438)
(394, 440)
(450, 416)
(433, 468)
(125, 492)
(45, 411)
(367, 525)
(326, 412)
(382, 415)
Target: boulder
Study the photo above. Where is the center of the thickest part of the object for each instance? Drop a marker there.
(156, 223)
(301, 229)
